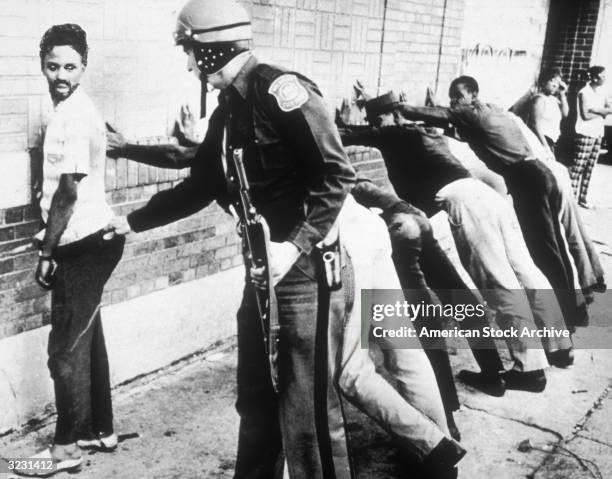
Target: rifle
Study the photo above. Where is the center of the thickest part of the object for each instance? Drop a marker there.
(256, 236)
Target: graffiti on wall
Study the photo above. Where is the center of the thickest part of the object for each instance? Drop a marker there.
(504, 73)
(481, 52)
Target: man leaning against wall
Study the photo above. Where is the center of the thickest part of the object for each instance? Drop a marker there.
(75, 260)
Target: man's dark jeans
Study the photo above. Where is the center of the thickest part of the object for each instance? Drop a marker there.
(537, 202)
(77, 353)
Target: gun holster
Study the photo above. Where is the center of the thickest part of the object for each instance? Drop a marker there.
(330, 258)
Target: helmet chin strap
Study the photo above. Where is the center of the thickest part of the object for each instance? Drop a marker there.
(203, 92)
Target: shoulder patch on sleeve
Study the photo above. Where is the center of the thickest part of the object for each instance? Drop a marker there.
(289, 92)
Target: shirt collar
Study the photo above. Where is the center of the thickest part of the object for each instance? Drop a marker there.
(74, 97)
(241, 82)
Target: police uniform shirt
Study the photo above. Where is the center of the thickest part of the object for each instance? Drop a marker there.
(296, 166)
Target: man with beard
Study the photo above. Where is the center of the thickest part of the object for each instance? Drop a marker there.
(75, 261)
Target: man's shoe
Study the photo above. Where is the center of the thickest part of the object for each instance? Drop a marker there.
(109, 442)
(600, 286)
(531, 381)
(491, 384)
(62, 459)
(562, 358)
(441, 462)
(89, 443)
(586, 205)
(103, 443)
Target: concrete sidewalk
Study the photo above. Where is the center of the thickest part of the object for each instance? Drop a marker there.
(187, 427)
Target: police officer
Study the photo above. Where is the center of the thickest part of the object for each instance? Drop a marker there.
(299, 177)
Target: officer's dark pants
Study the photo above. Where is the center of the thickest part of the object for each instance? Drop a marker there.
(423, 267)
(295, 420)
(537, 202)
(77, 354)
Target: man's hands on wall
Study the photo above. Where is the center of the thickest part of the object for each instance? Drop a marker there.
(347, 114)
(185, 128)
(361, 95)
(343, 114)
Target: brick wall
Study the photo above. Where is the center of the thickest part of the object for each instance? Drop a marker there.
(569, 38)
(331, 41)
(137, 79)
(569, 41)
(416, 31)
(602, 45)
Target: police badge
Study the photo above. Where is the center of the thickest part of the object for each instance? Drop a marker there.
(289, 92)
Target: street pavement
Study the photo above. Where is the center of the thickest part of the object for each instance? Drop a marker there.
(180, 422)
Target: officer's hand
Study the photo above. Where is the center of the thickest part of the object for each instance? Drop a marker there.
(118, 225)
(282, 257)
(115, 141)
(45, 272)
(259, 279)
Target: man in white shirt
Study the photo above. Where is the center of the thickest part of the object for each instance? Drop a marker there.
(75, 260)
(593, 107)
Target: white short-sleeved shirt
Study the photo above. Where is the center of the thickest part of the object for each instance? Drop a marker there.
(75, 142)
(550, 123)
(595, 127)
